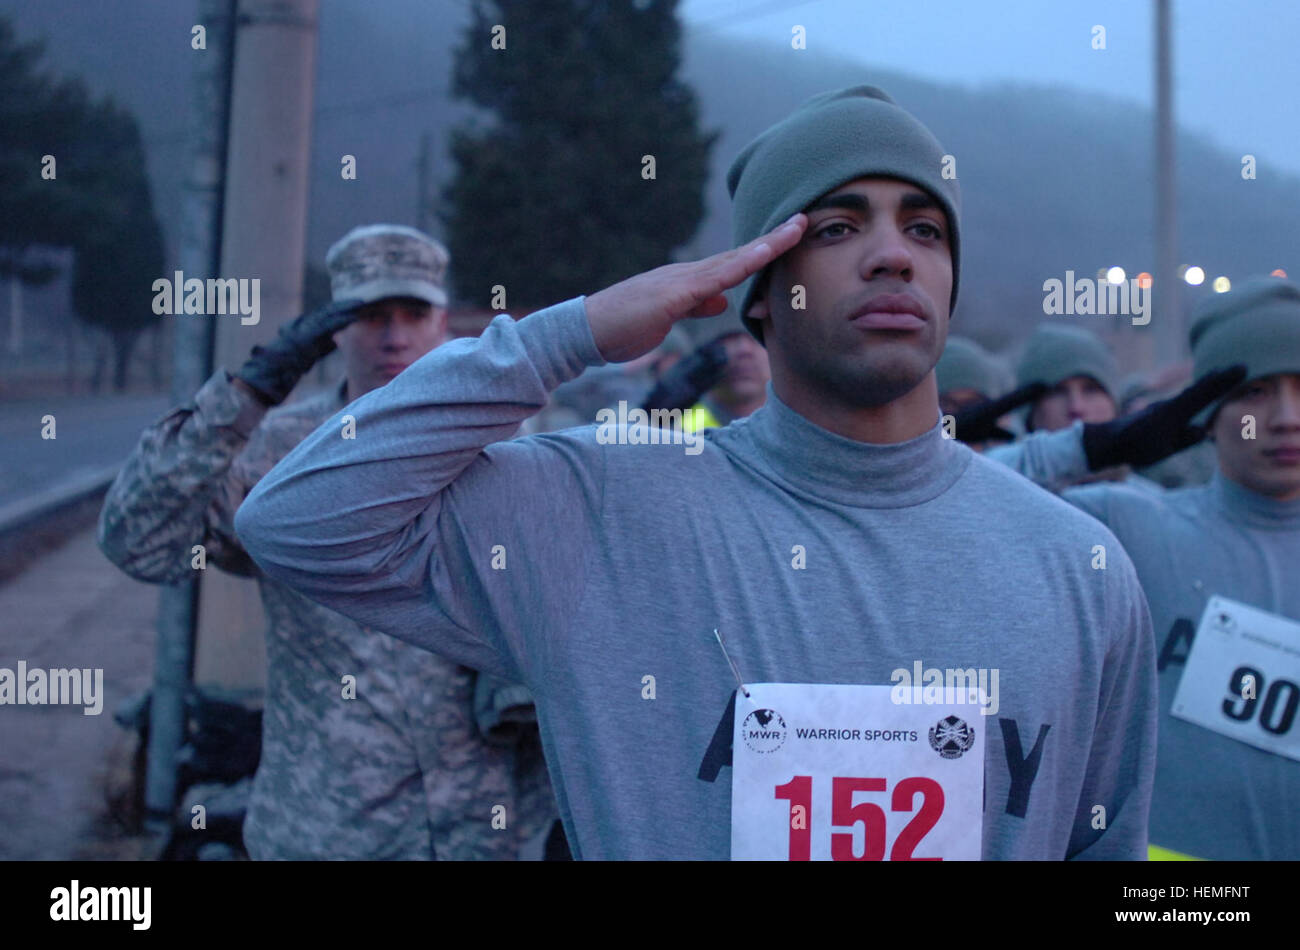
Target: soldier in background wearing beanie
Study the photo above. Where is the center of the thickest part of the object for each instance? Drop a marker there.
(1079, 371)
(968, 375)
(1237, 537)
(371, 748)
(1082, 380)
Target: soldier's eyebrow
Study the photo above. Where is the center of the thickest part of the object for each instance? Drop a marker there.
(855, 201)
(848, 200)
(918, 201)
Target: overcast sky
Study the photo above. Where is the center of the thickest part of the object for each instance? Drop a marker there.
(1236, 62)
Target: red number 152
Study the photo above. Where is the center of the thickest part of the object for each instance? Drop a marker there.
(845, 814)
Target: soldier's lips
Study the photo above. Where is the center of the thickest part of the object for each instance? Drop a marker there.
(392, 369)
(888, 320)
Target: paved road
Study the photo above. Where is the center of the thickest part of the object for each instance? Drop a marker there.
(91, 432)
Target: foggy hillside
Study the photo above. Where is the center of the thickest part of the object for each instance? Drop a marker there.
(1052, 179)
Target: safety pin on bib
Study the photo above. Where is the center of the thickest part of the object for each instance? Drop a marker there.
(734, 671)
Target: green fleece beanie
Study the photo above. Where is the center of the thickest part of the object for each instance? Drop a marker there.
(830, 140)
(1256, 323)
(967, 365)
(1056, 352)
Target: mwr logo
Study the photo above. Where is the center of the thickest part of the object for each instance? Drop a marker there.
(951, 737)
(764, 730)
(1223, 623)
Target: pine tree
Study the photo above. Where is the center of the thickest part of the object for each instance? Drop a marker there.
(39, 116)
(551, 197)
(98, 201)
(119, 247)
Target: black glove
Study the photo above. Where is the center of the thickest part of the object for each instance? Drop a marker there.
(980, 422)
(691, 377)
(1161, 429)
(273, 370)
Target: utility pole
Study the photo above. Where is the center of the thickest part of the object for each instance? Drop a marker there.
(1164, 292)
(263, 238)
(192, 364)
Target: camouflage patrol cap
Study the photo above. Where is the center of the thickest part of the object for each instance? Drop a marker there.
(376, 261)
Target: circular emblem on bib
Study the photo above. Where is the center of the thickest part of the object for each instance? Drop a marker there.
(1224, 623)
(951, 737)
(764, 730)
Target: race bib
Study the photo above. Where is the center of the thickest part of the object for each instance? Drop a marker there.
(1242, 678)
(845, 773)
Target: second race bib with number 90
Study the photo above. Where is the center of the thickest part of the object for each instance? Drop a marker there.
(846, 773)
(1242, 678)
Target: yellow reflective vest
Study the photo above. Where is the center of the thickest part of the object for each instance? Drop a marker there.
(699, 417)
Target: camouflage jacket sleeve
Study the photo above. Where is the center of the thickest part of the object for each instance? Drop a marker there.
(179, 489)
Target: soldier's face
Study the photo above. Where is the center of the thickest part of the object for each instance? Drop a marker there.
(388, 336)
(1078, 397)
(747, 370)
(954, 400)
(857, 312)
(1268, 463)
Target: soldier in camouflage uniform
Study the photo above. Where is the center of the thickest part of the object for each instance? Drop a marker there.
(414, 763)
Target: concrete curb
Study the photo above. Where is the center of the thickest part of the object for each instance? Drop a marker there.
(32, 525)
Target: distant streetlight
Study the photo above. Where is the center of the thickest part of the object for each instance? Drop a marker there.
(1115, 275)
(1144, 280)
(1279, 273)
(1194, 276)
(1221, 285)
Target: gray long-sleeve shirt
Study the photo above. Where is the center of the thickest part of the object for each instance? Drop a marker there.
(581, 567)
(1214, 797)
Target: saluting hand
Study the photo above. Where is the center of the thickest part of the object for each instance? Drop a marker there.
(633, 316)
(979, 422)
(273, 370)
(1161, 429)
